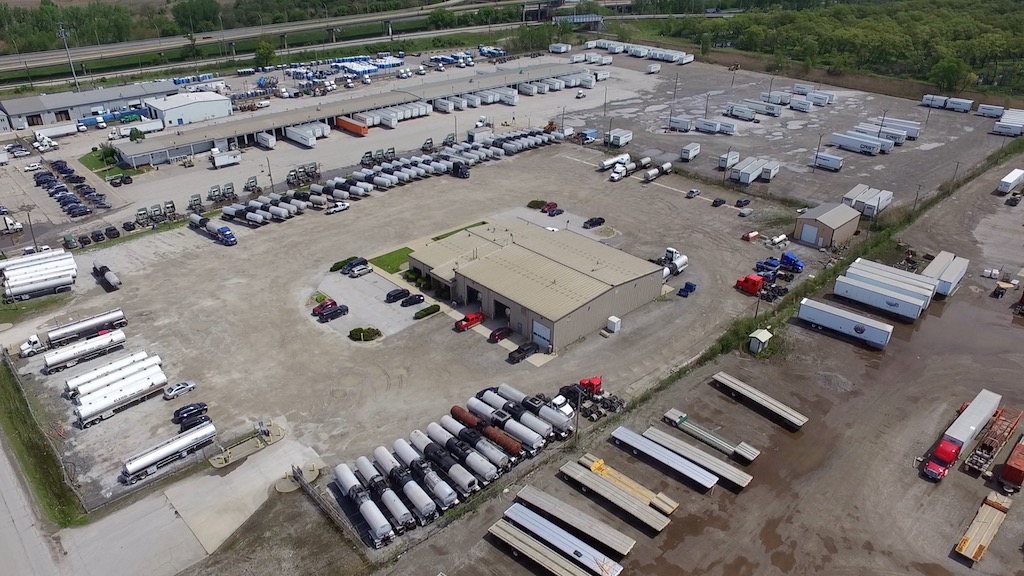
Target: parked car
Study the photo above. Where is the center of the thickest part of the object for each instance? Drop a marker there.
(412, 300)
(84, 240)
(549, 207)
(337, 207)
(328, 303)
(115, 181)
(21, 153)
(112, 232)
(523, 352)
(179, 389)
(470, 320)
(70, 243)
(396, 295)
(75, 179)
(693, 193)
(347, 268)
(718, 202)
(32, 167)
(79, 211)
(742, 202)
(128, 226)
(97, 236)
(193, 422)
(189, 410)
(4, 210)
(126, 179)
(593, 223)
(332, 313)
(556, 212)
(500, 334)
(360, 271)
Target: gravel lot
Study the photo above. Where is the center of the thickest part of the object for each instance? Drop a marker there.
(840, 497)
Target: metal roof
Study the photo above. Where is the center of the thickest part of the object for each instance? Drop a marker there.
(46, 102)
(831, 214)
(347, 107)
(445, 255)
(178, 100)
(551, 273)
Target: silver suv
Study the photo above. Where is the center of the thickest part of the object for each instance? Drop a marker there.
(360, 271)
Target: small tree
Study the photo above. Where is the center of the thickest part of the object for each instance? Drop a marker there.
(265, 54)
(705, 44)
(950, 74)
(441, 19)
(107, 152)
(135, 135)
(191, 52)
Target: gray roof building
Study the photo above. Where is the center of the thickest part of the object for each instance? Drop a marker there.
(63, 100)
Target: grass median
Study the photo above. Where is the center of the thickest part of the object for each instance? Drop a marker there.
(392, 261)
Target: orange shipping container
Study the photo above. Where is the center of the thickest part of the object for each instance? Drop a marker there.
(351, 126)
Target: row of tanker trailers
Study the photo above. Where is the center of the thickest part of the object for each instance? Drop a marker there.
(39, 274)
(438, 468)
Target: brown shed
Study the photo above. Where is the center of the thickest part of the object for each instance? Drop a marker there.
(827, 225)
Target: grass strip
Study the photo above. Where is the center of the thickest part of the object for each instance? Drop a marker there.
(392, 261)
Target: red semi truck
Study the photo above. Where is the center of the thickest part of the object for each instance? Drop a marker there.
(968, 425)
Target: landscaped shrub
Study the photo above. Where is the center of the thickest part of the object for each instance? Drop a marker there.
(338, 265)
(320, 297)
(364, 334)
(433, 309)
(536, 204)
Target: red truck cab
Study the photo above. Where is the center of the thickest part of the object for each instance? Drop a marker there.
(471, 319)
(750, 284)
(941, 460)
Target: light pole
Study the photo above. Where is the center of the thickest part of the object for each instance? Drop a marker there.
(561, 126)
(882, 125)
(270, 175)
(261, 24)
(63, 35)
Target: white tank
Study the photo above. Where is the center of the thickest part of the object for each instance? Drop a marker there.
(439, 488)
(117, 376)
(380, 528)
(73, 383)
(300, 205)
(424, 506)
(22, 260)
(529, 420)
(480, 409)
(475, 461)
(456, 472)
(484, 446)
(391, 501)
(68, 353)
(511, 393)
(340, 195)
(318, 201)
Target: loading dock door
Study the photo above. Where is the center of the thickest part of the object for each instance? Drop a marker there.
(809, 234)
(541, 335)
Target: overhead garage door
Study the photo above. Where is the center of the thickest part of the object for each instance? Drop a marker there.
(809, 234)
(541, 334)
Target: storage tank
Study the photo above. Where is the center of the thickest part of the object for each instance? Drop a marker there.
(510, 445)
(421, 470)
(391, 500)
(380, 528)
(279, 213)
(131, 370)
(473, 437)
(474, 460)
(318, 201)
(438, 456)
(400, 476)
(529, 420)
(527, 437)
(557, 420)
(24, 260)
(73, 383)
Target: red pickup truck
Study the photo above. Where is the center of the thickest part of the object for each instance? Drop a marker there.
(471, 319)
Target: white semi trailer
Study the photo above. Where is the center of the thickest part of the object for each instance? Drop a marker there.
(102, 404)
(141, 465)
(85, 328)
(83, 351)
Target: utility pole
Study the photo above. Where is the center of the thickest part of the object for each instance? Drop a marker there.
(955, 171)
(707, 103)
(882, 124)
(270, 175)
(63, 35)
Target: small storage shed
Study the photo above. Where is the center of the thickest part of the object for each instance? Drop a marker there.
(759, 340)
(827, 225)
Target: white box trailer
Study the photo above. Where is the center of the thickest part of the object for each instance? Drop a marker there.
(820, 315)
(801, 105)
(727, 128)
(890, 283)
(874, 206)
(1011, 181)
(990, 111)
(458, 101)
(938, 264)
(850, 198)
(680, 124)
(913, 129)
(300, 135)
(904, 307)
(728, 160)
(540, 87)
(884, 146)
(653, 68)
(777, 97)
(1007, 129)
(266, 139)
(763, 107)
(817, 98)
(559, 48)
(739, 112)
(898, 137)
(950, 279)
(472, 100)
(734, 173)
(803, 89)
(855, 144)
(893, 271)
(959, 105)
(827, 161)
(442, 105)
(770, 170)
(863, 199)
(706, 126)
(689, 152)
(752, 172)
(934, 101)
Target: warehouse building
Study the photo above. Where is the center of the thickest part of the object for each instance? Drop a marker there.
(827, 225)
(48, 109)
(188, 108)
(554, 287)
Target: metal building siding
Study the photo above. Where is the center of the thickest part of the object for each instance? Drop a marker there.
(845, 232)
(616, 301)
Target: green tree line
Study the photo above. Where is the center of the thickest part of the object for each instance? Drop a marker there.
(35, 29)
(952, 44)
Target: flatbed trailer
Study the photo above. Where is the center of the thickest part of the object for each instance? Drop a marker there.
(736, 386)
(983, 529)
(722, 469)
(682, 421)
(533, 549)
(559, 539)
(615, 494)
(1003, 425)
(578, 520)
(658, 500)
(665, 456)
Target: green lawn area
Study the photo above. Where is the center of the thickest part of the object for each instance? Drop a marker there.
(93, 162)
(36, 459)
(454, 232)
(15, 312)
(392, 261)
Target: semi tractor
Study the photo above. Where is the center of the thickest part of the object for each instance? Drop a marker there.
(141, 465)
(972, 420)
(423, 505)
(85, 328)
(673, 263)
(423, 473)
(219, 233)
(372, 479)
(224, 158)
(104, 272)
(83, 351)
(380, 530)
